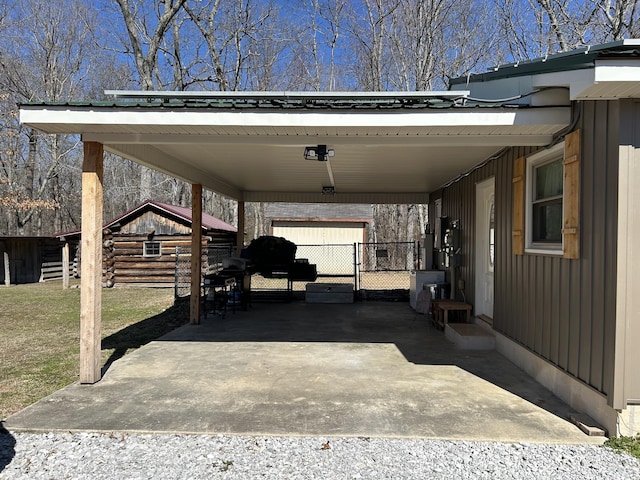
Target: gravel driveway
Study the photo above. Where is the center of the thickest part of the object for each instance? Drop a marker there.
(127, 456)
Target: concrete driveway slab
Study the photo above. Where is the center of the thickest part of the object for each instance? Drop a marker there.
(365, 369)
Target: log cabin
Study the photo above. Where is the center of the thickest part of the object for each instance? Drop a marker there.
(140, 247)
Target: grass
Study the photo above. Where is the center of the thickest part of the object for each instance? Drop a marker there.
(40, 334)
(630, 445)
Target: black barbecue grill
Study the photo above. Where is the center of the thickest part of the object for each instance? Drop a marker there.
(274, 257)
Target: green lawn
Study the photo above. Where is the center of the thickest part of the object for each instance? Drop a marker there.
(40, 334)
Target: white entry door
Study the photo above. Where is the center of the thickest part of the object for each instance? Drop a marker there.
(485, 247)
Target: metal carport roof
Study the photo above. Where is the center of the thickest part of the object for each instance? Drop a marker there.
(390, 147)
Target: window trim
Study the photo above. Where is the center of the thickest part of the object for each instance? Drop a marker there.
(149, 255)
(532, 162)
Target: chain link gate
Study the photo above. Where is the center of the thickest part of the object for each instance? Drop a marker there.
(379, 271)
(383, 272)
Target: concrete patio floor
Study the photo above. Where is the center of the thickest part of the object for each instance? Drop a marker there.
(365, 369)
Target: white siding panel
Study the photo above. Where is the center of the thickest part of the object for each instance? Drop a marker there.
(328, 246)
(321, 234)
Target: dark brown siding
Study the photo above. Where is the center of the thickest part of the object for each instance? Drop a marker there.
(31, 259)
(560, 309)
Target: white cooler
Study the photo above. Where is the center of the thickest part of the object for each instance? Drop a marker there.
(418, 278)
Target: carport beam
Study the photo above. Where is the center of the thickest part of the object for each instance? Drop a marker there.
(91, 268)
(196, 251)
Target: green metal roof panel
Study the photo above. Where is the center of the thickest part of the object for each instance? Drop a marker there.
(279, 104)
(581, 58)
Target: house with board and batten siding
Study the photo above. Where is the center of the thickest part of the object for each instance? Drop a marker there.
(550, 234)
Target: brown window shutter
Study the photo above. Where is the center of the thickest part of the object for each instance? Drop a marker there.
(518, 206)
(571, 193)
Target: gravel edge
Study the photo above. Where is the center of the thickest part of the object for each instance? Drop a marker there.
(142, 456)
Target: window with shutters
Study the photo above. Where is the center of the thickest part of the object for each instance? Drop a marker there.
(546, 200)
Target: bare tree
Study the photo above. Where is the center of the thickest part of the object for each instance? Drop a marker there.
(146, 30)
(244, 42)
(49, 54)
(55, 59)
(316, 63)
(369, 30)
(619, 18)
(543, 27)
(245, 45)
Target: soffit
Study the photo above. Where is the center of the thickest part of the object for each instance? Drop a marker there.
(381, 156)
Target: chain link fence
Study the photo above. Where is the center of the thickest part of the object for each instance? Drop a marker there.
(377, 270)
(385, 266)
(212, 256)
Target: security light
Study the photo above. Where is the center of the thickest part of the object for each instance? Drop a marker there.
(320, 153)
(310, 153)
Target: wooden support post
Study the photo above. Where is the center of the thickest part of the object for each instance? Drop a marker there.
(91, 273)
(196, 251)
(7, 269)
(240, 234)
(65, 265)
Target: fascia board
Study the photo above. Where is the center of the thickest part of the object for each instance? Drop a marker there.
(578, 81)
(617, 70)
(592, 83)
(83, 120)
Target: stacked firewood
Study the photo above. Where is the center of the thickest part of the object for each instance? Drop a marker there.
(108, 258)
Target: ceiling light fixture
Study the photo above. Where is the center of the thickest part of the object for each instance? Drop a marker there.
(320, 153)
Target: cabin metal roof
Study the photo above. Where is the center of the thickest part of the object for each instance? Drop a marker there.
(209, 222)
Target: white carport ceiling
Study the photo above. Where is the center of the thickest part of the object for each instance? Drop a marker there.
(381, 156)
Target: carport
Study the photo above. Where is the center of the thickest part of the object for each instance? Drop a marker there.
(386, 147)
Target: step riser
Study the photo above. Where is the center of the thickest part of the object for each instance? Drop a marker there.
(469, 337)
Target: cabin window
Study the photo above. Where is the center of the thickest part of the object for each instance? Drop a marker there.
(545, 174)
(151, 249)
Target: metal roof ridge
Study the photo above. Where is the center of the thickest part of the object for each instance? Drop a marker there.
(287, 94)
(241, 104)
